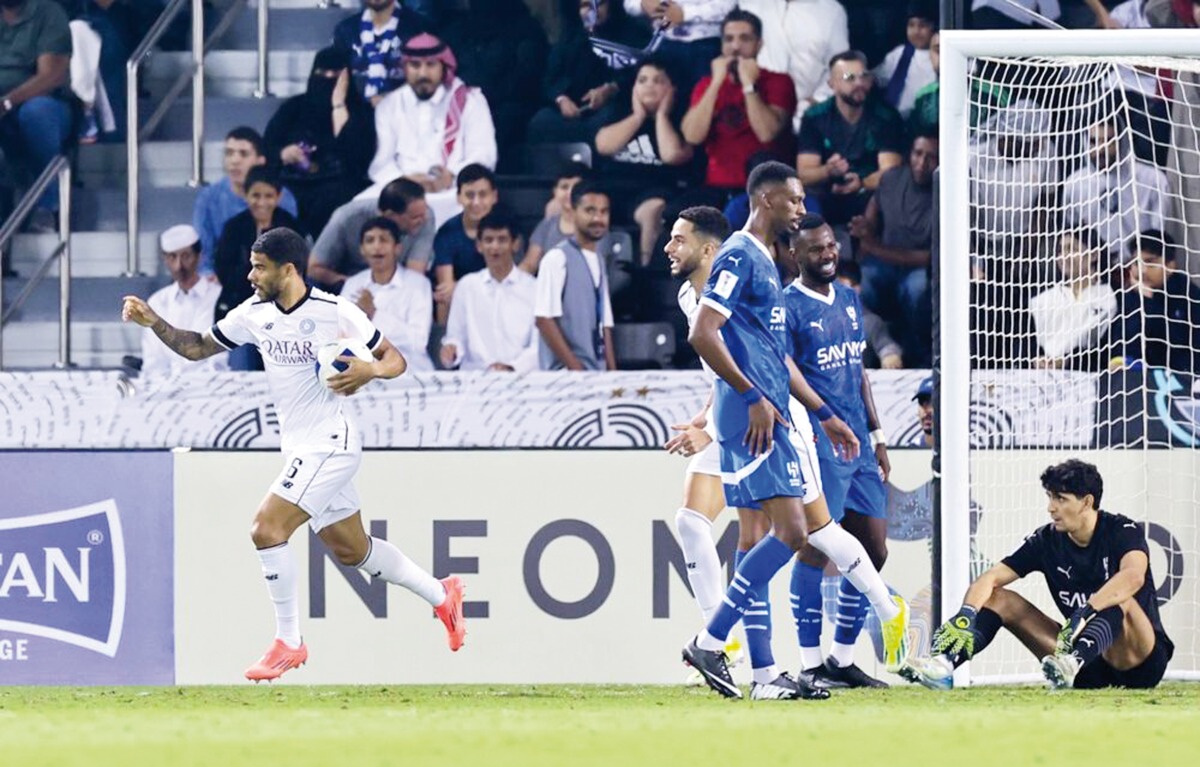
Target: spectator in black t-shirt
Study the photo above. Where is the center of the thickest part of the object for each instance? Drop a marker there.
(1158, 316)
(847, 141)
(642, 149)
(894, 240)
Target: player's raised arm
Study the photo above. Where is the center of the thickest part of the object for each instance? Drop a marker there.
(185, 343)
(838, 431)
(705, 338)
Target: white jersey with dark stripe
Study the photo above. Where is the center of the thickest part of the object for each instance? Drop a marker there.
(309, 413)
(689, 304)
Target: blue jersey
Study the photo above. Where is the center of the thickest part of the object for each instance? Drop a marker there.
(827, 342)
(745, 287)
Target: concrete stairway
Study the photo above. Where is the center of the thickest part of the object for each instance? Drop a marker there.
(98, 245)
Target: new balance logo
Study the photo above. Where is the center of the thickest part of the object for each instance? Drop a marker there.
(1065, 571)
(287, 483)
(853, 565)
(268, 326)
(272, 576)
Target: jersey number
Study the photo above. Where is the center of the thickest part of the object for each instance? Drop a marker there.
(295, 467)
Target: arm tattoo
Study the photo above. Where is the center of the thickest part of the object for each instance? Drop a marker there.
(186, 343)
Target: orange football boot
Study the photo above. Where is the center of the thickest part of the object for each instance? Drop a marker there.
(278, 659)
(451, 613)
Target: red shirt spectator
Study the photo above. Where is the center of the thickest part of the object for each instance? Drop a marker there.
(749, 110)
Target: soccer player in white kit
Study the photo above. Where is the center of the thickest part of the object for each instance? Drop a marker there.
(289, 322)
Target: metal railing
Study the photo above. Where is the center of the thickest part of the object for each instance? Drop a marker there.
(262, 91)
(60, 168)
(134, 136)
(195, 74)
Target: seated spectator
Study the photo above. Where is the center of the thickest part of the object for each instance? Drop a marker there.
(323, 140)
(641, 149)
(372, 41)
(909, 68)
(691, 33)
(573, 308)
(1014, 169)
(924, 115)
(501, 50)
(882, 350)
(431, 128)
(799, 39)
(848, 141)
(1158, 323)
(225, 198)
(1115, 193)
(35, 114)
(491, 324)
(894, 240)
(231, 262)
(559, 223)
(455, 253)
(187, 303)
(399, 301)
(1071, 319)
(86, 82)
(739, 109)
(578, 80)
(337, 255)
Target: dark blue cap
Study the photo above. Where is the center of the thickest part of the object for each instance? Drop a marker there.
(925, 389)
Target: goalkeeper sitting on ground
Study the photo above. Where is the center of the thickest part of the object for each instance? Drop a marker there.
(1097, 568)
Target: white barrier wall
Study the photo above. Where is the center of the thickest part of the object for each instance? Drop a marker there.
(569, 555)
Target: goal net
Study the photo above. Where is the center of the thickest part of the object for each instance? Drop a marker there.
(1070, 174)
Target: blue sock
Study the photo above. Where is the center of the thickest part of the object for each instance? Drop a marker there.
(851, 613)
(757, 622)
(806, 603)
(754, 572)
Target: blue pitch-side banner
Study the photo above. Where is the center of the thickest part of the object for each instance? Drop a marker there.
(86, 568)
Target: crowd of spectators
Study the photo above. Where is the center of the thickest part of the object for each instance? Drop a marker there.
(394, 160)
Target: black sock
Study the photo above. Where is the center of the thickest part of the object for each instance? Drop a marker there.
(987, 625)
(1098, 635)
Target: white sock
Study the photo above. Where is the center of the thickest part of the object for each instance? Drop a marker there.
(810, 657)
(842, 655)
(766, 674)
(388, 563)
(279, 570)
(703, 564)
(706, 641)
(845, 551)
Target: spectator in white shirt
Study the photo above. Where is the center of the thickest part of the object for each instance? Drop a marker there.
(187, 303)
(1115, 193)
(799, 39)
(573, 309)
(491, 324)
(1072, 318)
(909, 67)
(431, 128)
(399, 301)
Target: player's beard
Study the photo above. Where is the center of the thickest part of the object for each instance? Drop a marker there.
(818, 277)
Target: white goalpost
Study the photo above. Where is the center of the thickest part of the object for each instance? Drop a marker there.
(1065, 155)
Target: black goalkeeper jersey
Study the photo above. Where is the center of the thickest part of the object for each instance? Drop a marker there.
(1073, 572)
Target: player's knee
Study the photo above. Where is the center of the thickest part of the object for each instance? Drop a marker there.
(347, 555)
(264, 534)
(1001, 601)
(794, 537)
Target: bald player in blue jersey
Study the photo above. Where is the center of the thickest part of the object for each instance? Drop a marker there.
(826, 329)
(741, 333)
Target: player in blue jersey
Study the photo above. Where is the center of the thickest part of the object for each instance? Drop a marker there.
(741, 333)
(1096, 565)
(826, 329)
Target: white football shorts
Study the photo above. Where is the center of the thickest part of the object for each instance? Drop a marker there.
(320, 480)
(805, 443)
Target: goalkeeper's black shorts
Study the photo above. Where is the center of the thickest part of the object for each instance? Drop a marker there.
(1148, 674)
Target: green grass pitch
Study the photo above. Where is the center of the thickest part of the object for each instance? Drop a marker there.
(592, 725)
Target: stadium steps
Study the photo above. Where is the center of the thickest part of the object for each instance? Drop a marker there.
(93, 344)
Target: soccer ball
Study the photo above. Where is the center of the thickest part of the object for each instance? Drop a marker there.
(328, 364)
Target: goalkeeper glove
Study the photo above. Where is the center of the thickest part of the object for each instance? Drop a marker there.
(1074, 626)
(956, 635)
